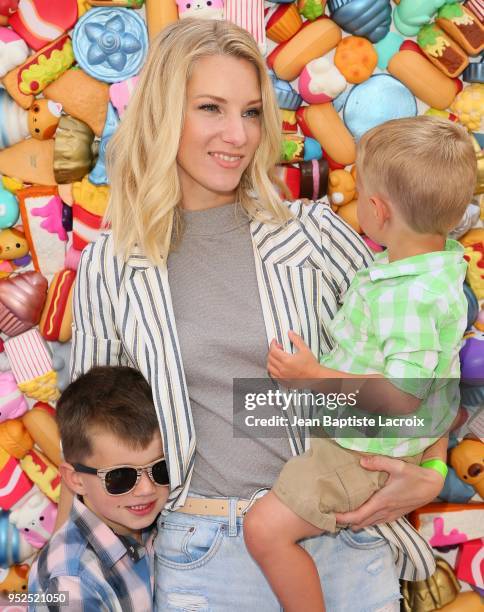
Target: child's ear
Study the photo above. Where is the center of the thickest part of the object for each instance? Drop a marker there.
(72, 478)
(381, 210)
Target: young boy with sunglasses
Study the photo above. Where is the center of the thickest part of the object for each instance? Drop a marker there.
(101, 559)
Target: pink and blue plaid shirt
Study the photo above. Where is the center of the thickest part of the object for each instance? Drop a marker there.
(100, 570)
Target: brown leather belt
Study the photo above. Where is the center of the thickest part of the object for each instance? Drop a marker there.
(209, 506)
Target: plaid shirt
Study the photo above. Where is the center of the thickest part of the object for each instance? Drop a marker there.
(406, 320)
(100, 570)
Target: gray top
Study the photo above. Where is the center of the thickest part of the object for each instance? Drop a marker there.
(222, 336)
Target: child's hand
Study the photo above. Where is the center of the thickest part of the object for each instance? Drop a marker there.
(290, 369)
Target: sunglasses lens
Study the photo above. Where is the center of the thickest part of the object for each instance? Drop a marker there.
(120, 480)
(160, 473)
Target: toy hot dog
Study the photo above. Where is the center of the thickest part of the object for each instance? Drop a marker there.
(56, 320)
(463, 26)
(410, 66)
(313, 40)
(325, 125)
(41, 424)
(441, 50)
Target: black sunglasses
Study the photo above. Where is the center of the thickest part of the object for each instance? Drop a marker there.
(123, 478)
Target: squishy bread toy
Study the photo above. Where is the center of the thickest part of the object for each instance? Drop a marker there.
(326, 126)
(29, 160)
(15, 579)
(14, 483)
(22, 298)
(160, 13)
(463, 26)
(13, 50)
(441, 50)
(41, 424)
(313, 40)
(467, 459)
(12, 402)
(56, 321)
(43, 473)
(82, 97)
(41, 212)
(425, 81)
(283, 22)
(320, 81)
(464, 602)
(355, 58)
(31, 364)
(43, 119)
(35, 518)
(15, 439)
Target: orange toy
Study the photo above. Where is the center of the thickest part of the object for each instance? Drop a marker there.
(159, 13)
(341, 187)
(14, 438)
(327, 127)
(313, 40)
(465, 602)
(426, 81)
(284, 22)
(467, 460)
(355, 58)
(41, 424)
(350, 215)
(14, 579)
(31, 161)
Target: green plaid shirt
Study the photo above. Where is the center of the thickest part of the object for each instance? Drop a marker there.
(405, 320)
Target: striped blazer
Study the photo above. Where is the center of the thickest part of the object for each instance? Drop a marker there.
(123, 315)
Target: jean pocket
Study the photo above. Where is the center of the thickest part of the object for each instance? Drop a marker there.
(362, 539)
(188, 545)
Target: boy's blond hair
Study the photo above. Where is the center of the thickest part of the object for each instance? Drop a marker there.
(425, 165)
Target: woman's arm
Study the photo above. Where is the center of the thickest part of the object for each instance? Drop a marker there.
(408, 487)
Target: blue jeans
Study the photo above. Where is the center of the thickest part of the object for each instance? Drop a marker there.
(202, 565)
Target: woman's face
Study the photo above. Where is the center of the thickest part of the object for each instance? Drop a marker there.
(222, 130)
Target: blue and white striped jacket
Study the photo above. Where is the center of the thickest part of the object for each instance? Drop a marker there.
(123, 315)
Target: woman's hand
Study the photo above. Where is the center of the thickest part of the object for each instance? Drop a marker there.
(290, 369)
(408, 487)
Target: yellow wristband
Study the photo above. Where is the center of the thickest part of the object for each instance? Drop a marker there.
(436, 464)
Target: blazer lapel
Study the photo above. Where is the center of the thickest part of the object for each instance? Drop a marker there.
(149, 298)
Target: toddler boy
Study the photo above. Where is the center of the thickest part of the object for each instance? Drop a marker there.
(402, 322)
(102, 558)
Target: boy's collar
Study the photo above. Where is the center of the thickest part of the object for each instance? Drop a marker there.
(418, 264)
(107, 545)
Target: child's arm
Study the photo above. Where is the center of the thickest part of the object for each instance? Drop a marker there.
(375, 392)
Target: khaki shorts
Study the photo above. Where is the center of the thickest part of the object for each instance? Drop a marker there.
(327, 479)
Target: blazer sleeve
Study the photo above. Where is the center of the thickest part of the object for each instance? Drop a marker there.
(95, 339)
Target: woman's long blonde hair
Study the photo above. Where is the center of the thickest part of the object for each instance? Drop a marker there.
(141, 156)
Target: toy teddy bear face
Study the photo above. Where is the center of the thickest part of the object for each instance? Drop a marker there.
(200, 8)
(13, 244)
(341, 187)
(43, 119)
(468, 461)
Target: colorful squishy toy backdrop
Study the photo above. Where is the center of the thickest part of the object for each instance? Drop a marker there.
(67, 70)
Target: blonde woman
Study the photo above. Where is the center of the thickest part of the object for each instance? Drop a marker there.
(204, 266)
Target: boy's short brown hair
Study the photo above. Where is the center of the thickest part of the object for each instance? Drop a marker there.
(425, 165)
(115, 399)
